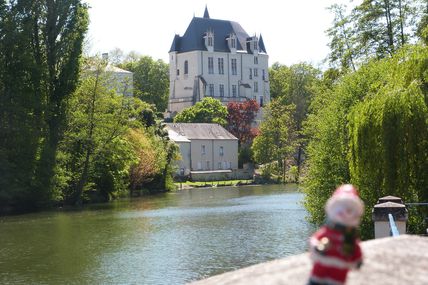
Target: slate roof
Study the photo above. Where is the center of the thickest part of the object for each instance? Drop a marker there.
(193, 38)
(201, 131)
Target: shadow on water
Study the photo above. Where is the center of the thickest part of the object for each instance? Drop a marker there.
(170, 238)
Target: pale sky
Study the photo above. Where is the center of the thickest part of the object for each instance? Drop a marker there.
(293, 30)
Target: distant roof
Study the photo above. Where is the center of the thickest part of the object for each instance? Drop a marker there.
(200, 131)
(193, 38)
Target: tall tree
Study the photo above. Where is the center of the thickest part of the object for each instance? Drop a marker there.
(374, 29)
(342, 44)
(40, 56)
(276, 139)
(97, 121)
(294, 85)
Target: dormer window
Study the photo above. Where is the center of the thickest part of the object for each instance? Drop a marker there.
(253, 44)
(209, 41)
(231, 41)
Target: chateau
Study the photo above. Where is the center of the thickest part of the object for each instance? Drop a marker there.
(217, 58)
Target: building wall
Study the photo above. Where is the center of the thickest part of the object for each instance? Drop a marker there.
(182, 85)
(211, 157)
(183, 165)
(382, 228)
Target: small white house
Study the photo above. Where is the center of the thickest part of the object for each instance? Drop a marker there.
(207, 148)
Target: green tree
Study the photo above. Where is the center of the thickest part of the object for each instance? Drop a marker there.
(40, 50)
(151, 80)
(374, 29)
(94, 154)
(294, 85)
(208, 110)
(370, 129)
(275, 141)
(343, 52)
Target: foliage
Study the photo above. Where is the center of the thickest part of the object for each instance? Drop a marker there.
(151, 80)
(370, 129)
(112, 142)
(40, 52)
(148, 164)
(275, 141)
(374, 29)
(208, 110)
(294, 85)
(95, 156)
(240, 119)
(245, 155)
(343, 52)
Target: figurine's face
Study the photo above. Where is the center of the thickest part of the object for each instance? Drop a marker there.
(345, 212)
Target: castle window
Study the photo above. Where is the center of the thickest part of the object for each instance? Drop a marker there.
(203, 149)
(251, 73)
(256, 87)
(220, 65)
(186, 67)
(263, 74)
(211, 65)
(256, 60)
(233, 43)
(256, 72)
(211, 90)
(234, 67)
(210, 40)
(221, 151)
(256, 46)
(221, 90)
(178, 72)
(233, 90)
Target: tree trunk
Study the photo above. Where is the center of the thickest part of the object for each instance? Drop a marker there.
(389, 26)
(401, 22)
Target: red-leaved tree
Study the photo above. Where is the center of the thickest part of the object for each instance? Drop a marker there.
(240, 119)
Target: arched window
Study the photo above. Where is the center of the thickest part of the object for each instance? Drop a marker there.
(186, 67)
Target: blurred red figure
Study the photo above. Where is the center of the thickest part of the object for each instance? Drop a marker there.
(335, 247)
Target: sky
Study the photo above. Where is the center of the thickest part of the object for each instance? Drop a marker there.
(293, 30)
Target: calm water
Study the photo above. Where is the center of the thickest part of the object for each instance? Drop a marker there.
(168, 239)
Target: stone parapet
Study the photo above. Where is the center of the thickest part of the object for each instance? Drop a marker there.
(400, 260)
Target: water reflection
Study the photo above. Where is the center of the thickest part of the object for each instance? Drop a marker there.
(167, 239)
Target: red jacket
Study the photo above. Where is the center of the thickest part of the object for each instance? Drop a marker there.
(331, 259)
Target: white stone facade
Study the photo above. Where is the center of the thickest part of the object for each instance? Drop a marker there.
(217, 58)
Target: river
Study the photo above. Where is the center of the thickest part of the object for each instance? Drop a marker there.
(171, 238)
